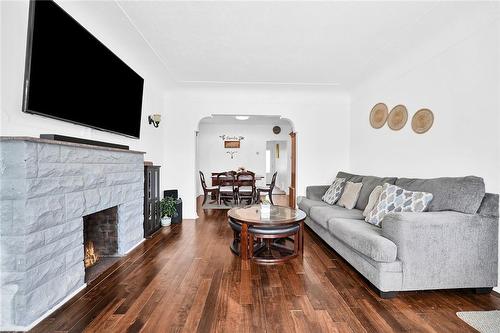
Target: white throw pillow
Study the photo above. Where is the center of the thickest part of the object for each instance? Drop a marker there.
(350, 195)
(395, 199)
(334, 191)
(372, 200)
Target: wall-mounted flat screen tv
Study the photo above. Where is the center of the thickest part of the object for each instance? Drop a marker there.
(71, 76)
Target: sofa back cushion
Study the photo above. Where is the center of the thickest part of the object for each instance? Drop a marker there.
(460, 194)
(350, 177)
(369, 183)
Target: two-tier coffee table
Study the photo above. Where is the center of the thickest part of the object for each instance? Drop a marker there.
(276, 224)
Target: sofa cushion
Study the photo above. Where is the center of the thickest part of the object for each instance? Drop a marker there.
(396, 199)
(364, 238)
(306, 204)
(322, 214)
(369, 183)
(350, 195)
(334, 191)
(350, 177)
(460, 194)
(372, 200)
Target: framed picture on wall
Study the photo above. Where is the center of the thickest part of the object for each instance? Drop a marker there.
(232, 144)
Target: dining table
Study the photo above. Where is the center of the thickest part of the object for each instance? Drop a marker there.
(215, 179)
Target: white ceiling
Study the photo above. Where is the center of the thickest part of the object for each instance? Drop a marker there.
(307, 42)
(219, 119)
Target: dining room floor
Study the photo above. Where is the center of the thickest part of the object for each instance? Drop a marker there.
(185, 279)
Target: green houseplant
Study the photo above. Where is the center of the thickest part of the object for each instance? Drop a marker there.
(167, 210)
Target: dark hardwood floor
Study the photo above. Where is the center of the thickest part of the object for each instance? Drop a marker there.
(185, 279)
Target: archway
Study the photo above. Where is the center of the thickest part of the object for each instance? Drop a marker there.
(262, 144)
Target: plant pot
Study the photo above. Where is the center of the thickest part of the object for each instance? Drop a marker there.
(166, 221)
(265, 211)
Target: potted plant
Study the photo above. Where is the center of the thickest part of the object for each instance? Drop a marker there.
(167, 209)
(265, 208)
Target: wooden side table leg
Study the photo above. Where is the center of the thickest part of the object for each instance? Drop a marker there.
(296, 243)
(301, 237)
(244, 241)
(250, 246)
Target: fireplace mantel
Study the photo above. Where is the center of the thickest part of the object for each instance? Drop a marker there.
(64, 143)
(46, 188)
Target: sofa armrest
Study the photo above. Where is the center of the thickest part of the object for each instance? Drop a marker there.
(316, 192)
(444, 249)
(489, 206)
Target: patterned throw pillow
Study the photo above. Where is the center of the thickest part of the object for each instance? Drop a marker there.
(334, 191)
(395, 199)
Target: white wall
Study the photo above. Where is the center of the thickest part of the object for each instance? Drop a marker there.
(457, 76)
(280, 164)
(213, 157)
(105, 21)
(320, 117)
(459, 82)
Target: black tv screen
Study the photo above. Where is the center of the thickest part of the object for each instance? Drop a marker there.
(72, 76)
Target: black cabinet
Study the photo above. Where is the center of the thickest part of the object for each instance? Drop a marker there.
(152, 214)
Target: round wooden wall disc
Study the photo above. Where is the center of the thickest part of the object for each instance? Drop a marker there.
(378, 115)
(397, 117)
(422, 121)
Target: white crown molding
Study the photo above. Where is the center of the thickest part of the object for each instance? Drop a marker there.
(262, 83)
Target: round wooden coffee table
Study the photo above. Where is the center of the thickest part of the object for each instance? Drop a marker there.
(278, 217)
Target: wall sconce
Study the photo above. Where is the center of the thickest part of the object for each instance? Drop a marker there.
(154, 119)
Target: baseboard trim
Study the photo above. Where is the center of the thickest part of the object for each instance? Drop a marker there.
(133, 247)
(45, 315)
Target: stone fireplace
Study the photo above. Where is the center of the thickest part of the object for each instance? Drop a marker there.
(49, 191)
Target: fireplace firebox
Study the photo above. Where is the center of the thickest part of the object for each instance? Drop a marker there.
(100, 239)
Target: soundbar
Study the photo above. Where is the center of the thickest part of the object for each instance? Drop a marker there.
(57, 137)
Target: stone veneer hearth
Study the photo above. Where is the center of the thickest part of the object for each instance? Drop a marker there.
(46, 189)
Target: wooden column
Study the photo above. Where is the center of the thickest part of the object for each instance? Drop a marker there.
(292, 195)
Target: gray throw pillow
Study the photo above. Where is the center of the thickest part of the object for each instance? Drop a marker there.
(395, 199)
(334, 191)
(350, 195)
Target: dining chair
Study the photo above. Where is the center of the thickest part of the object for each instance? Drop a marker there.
(267, 189)
(207, 190)
(227, 187)
(246, 186)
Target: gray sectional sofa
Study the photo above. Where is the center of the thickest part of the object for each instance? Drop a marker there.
(454, 244)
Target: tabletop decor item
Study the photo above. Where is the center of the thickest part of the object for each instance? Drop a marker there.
(397, 117)
(378, 115)
(422, 121)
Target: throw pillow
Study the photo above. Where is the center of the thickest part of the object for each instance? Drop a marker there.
(372, 200)
(334, 191)
(395, 199)
(350, 195)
